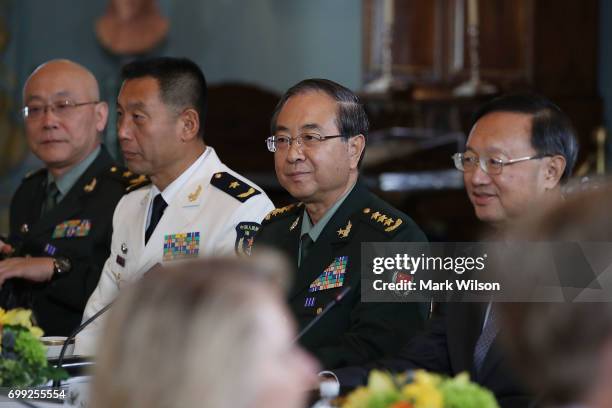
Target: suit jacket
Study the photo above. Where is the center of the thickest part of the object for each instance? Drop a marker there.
(214, 213)
(58, 304)
(353, 332)
(447, 347)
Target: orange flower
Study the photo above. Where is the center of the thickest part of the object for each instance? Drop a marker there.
(402, 404)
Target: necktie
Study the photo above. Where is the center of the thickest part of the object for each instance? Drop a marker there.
(51, 198)
(489, 332)
(305, 245)
(159, 206)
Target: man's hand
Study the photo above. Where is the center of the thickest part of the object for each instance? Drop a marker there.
(5, 248)
(33, 269)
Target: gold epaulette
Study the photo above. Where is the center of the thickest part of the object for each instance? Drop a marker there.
(233, 186)
(380, 220)
(278, 213)
(136, 182)
(130, 180)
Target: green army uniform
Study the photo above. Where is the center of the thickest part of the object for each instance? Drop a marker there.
(352, 332)
(78, 227)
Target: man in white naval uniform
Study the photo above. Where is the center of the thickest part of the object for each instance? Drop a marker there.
(194, 205)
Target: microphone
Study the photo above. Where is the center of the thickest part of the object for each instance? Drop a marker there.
(326, 309)
(60, 360)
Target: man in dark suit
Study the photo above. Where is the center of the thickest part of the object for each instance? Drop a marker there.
(319, 134)
(60, 216)
(519, 150)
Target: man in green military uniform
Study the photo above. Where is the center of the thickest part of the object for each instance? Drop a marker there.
(319, 134)
(60, 216)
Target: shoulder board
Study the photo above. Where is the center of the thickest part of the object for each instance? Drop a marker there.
(382, 220)
(279, 213)
(131, 181)
(237, 188)
(33, 173)
(137, 182)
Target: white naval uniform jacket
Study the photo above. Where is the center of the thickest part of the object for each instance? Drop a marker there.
(198, 207)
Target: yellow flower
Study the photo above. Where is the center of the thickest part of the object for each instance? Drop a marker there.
(36, 331)
(423, 391)
(359, 398)
(380, 381)
(19, 317)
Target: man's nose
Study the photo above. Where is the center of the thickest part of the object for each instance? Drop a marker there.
(478, 176)
(123, 129)
(49, 119)
(295, 151)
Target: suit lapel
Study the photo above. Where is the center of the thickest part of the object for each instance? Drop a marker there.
(291, 243)
(494, 355)
(136, 234)
(493, 359)
(338, 232)
(72, 203)
(464, 322)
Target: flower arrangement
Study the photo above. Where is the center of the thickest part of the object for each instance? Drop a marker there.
(23, 357)
(419, 389)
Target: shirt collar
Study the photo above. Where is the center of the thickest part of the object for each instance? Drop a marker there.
(173, 188)
(315, 230)
(68, 179)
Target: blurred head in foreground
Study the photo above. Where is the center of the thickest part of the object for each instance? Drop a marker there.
(564, 350)
(212, 333)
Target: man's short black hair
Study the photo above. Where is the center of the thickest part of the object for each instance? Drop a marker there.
(551, 130)
(181, 82)
(351, 119)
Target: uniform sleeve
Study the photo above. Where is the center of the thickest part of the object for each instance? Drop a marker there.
(428, 350)
(243, 224)
(105, 292)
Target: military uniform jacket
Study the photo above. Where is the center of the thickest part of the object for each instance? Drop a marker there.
(352, 332)
(215, 213)
(79, 228)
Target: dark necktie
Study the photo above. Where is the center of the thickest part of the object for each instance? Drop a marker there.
(305, 245)
(51, 198)
(159, 205)
(489, 332)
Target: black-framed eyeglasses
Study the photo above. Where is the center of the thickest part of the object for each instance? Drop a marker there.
(467, 162)
(305, 141)
(62, 108)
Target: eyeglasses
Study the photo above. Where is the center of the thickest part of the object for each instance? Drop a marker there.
(305, 141)
(467, 162)
(60, 108)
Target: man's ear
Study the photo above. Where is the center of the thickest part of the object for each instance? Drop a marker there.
(190, 124)
(356, 145)
(555, 166)
(101, 111)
